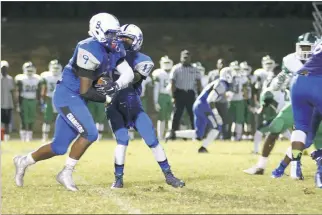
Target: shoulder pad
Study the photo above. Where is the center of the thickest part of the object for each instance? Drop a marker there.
(143, 64)
(87, 59)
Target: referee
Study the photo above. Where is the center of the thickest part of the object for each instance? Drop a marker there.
(185, 85)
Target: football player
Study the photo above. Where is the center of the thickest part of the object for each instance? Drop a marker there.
(237, 108)
(49, 81)
(126, 110)
(28, 90)
(206, 126)
(93, 57)
(284, 120)
(162, 94)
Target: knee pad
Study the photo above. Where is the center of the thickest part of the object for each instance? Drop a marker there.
(58, 148)
(91, 135)
(122, 136)
(145, 127)
(298, 136)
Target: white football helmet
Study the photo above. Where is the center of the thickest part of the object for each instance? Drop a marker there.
(55, 67)
(226, 74)
(166, 63)
(135, 34)
(104, 27)
(235, 68)
(199, 66)
(268, 63)
(245, 68)
(28, 68)
(4, 63)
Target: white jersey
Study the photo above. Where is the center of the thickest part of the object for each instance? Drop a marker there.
(144, 84)
(263, 77)
(204, 81)
(163, 79)
(29, 84)
(50, 80)
(239, 84)
(291, 64)
(213, 75)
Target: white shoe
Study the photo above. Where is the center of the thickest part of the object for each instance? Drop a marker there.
(20, 169)
(65, 178)
(6, 138)
(255, 170)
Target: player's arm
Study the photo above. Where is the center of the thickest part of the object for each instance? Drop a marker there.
(173, 80)
(126, 74)
(18, 92)
(199, 85)
(43, 88)
(87, 63)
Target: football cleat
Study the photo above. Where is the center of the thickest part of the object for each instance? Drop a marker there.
(21, 167)
(254, 171)
(65, 178)
(172, 180)
(296, 170)
(202, 150)
(318, 176)
(118, 183)
(278, 172)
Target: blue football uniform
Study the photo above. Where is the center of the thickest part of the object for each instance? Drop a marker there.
(204, 118)
(90, 59)
(126, 110)
(306, 91)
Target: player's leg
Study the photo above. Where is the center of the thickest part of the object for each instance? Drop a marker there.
(100, 117)
(120, 132)
(145, 128)
(162, 100)
(64, 134)
(48, 118)
(32, 117)
(240, 119)
(24, 117)
(233, 113)
(302, 113)
(5, 122)
(258, 136)
(211, 132)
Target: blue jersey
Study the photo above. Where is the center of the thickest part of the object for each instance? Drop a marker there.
(314, 64)
(94, 57)
(140, 63)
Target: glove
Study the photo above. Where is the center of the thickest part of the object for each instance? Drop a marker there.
(157, 107)
(107, 89)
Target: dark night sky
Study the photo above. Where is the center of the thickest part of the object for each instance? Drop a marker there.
(83, 10)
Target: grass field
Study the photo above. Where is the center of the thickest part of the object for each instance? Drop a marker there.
(215, 182)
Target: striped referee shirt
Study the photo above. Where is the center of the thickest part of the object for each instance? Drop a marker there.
(185, 77)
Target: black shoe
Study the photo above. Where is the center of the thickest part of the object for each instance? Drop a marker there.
(170, 136)
(202, 150)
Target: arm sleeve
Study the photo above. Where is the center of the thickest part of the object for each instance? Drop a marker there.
(126, 74)
(156, 90)
(93, 95)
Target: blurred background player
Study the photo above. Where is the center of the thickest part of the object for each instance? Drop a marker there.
(249, 100)
(7, 99)
(49, 81)
(206, 126)
(28, 87)
(202, 70)
(162, 94)
(237, 108)
(221, 106)
(185, 86)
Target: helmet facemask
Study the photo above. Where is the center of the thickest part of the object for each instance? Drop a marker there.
(304, 50)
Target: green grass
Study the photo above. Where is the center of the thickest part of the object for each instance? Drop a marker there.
(215, 182)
